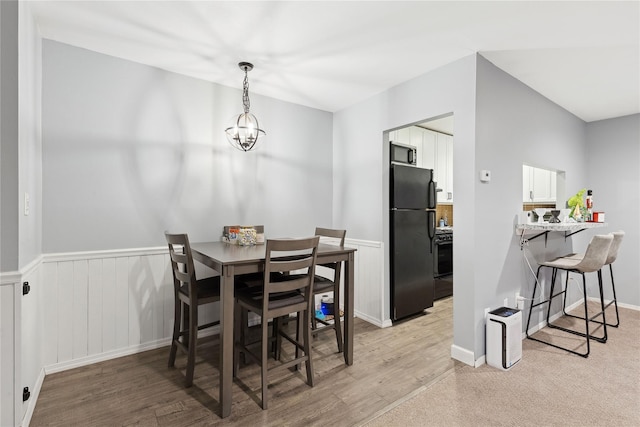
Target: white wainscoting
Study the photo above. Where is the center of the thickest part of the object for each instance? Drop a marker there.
(369, 275)
(10, 383)
(100, 305)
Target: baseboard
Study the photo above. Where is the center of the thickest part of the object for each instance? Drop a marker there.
(373, 320)
(481, 361)
(114, 354)
(26, 420)
(620, 304)
(463, 355)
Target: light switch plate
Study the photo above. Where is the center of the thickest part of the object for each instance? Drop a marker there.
(26, 204)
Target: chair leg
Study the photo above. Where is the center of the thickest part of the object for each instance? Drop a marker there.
(615, 299)
(532, 305)
(307, 346)
(337, 322)
(177, 318)
(276, 345)
(554, 275)
(264, 345)
(238, 338)
(551, 296)
(602, 307)
(193, 338)
(586, 315)
(603, 338)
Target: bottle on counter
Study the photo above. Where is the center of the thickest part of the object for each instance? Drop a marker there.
(441, 223)
(589, 203)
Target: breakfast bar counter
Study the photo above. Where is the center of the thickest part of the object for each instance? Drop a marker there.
(569, 228)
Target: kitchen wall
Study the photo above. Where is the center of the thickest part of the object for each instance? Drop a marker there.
(130, 151)
(613, 156)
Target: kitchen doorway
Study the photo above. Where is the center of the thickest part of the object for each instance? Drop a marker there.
(430, 142)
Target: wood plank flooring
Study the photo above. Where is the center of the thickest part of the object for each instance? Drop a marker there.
(140, 390)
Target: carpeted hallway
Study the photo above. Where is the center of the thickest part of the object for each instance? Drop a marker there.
(548, 387)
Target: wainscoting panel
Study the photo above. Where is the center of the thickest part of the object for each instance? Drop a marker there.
(369, 281)
(100, 305)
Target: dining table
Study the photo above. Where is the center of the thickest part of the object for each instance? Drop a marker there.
(230, 260)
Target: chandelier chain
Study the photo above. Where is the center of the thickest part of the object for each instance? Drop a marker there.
(245, 93)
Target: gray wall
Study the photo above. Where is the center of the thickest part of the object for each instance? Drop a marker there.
(9, 135)
(613, 156)
(130, 150)
(361, 169)
(30, 152)
(499, 124)
(516, 125)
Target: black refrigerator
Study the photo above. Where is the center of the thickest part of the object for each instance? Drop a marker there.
(412, 229)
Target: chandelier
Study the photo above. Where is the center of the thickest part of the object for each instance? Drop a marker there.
(244, 132)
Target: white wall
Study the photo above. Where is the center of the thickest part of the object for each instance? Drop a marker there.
(130, 151)
(613, 156)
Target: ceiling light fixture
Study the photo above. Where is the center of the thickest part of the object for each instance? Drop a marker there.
(245, 131)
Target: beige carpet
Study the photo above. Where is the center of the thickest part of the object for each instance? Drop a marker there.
(548, 387)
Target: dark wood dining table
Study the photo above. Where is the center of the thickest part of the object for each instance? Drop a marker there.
(230, 260)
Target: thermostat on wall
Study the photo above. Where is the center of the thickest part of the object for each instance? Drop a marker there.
(485, 175)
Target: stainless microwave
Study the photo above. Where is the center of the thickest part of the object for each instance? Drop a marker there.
(402, 154)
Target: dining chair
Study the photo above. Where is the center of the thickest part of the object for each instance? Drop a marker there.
(189, 293)
(323, 285)
(277, 295)
(611, 257)
(593, 261)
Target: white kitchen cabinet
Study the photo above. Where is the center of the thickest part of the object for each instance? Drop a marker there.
(435, 151)
(428, 154)
(415, 140)
(538, 185)
(438, 155)
(444, 167)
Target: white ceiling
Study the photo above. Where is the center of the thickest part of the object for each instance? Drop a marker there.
(582, 55)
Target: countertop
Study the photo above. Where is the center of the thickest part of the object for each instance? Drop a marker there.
(559, 226)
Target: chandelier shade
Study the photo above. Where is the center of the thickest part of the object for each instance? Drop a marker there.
(244, 132)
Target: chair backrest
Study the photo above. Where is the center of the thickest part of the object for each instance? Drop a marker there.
(596, 253)
(328, 232)
(615, 245)
(286, 256)
(181, 261)
(338, 235)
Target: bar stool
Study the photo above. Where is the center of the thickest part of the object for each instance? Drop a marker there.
(593, 261)
(611, 257)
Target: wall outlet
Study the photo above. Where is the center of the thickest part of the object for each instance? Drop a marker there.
(506, 302)
(520, 303)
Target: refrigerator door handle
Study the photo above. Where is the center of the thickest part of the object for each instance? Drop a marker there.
(431, 224)
(431, 195)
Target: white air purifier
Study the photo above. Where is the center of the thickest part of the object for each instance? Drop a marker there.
(504, 337)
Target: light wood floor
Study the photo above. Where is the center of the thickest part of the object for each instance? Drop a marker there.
(139, 389)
